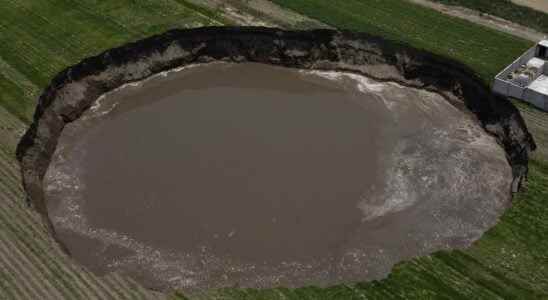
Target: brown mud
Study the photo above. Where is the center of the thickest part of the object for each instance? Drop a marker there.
(260, 176)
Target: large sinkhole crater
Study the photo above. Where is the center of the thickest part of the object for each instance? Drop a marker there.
(238, 173)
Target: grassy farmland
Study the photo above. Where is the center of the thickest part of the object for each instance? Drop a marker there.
(38, 38)
(485, 50)
(507, 10)
(59, 33)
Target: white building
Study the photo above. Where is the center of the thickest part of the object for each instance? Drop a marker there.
(527, 77)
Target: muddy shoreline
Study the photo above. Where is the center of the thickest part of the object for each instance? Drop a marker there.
(76, 89)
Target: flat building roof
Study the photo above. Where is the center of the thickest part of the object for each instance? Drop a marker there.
(540, 85)
(543, 43)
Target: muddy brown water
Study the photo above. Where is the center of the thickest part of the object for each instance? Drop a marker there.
(258, 176)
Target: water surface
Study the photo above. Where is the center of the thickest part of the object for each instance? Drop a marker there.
(254, 175)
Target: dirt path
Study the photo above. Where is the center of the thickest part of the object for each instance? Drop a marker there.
(260, 13)
(266, 13)
(488, 20)
(541, 5)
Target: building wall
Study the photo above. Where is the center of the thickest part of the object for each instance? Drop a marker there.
(535, 98)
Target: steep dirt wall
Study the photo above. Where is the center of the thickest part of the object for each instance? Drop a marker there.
(75, 89)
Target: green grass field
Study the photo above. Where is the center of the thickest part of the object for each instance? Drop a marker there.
(39, 38)
(507, 10)
(485, 50)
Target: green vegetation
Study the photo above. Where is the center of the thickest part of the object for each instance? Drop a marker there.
(13, 99)
(485, 50)
(39, 38)
(507, 10)
(208, 12)
(510, 261)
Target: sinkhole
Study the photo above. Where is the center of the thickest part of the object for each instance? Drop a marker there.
(251, 175)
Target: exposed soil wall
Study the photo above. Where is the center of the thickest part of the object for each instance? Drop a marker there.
(75, 89)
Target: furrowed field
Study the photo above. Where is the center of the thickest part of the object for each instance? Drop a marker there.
(39, 38)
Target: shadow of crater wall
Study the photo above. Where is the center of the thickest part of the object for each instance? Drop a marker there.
(75, 89)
